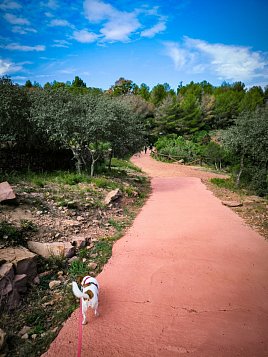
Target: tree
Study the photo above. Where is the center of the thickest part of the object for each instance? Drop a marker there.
(82, 123)
(253, 98)
(123, 87)
(28, 84)
(248, 141)
(159, 93)
(15, 125)
(144, 91)
(227, 105)
(78, 83)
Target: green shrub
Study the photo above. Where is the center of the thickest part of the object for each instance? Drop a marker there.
(78, 268)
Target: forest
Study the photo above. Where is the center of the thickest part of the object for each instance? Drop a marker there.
(223, 126)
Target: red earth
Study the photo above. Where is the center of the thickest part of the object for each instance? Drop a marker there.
(189, 277)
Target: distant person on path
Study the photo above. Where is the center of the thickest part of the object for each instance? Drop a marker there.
(151, 147)
(145, 149)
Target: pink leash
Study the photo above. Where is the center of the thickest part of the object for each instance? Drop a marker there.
(80, 331)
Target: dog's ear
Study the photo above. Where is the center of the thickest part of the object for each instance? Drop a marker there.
(79, 279)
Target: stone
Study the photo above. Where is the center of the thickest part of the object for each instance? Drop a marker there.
(24, 261)
(6, 276)
(112, 196)
(46, 250)
(20, 283)
(73, 259)
(232, 203)
(92, 265)
(181, 161)
(24, 330)
(54, 283)
(6, 192)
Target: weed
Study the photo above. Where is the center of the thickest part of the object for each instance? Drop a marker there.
(224, 183)
(10, 235)
(103, 182)
(124, 164)
(28, 226)
(78, 268)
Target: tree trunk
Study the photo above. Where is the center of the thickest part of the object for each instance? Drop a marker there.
(240, 171)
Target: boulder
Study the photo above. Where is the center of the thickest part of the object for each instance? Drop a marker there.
(112, 196)
(6, 192)
(232, 203)
(20, 283)
(46, 250)
(24, 261)
(6, 276)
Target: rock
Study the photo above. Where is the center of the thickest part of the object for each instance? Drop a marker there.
(112, 196)
(92, 265)
(24, 261)
(24, 330)
(181, 161)
(79, 218)
(73, 259)
(25, 336)
(46, 250)
(232, 203)
(79, 241)
(20, 283)
(54, 283)
(2, 339)
(6, 276)
(6, 192)
(34, 336)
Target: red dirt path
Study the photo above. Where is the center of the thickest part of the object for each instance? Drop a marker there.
(189, 277)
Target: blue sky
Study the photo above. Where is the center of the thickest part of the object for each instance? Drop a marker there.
(146, 41)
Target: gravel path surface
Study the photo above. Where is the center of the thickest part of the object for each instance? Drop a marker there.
(189, 277)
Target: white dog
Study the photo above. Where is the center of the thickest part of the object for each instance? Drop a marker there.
(89, 295)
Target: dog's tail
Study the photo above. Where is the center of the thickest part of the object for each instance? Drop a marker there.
(77, 292)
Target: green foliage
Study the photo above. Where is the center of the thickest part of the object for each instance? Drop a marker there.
(12, 235)
(248, 142)
(178, 147)
(224, 183)
(78, 268)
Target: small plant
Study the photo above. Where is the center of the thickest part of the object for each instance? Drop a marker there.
(103, 182)
(10, 235)
(224, 183)
(78, 268)
(28, 226)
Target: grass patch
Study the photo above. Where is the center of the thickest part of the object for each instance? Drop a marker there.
(224, 183)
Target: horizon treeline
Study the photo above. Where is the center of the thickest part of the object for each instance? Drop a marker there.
(225, 125)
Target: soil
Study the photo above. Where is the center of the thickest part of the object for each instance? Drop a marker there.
(188, 277)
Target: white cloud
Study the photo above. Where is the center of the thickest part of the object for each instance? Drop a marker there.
(178, 55)
(8, 67)
(118, 25)
(15, 20)
(59, 22)
(96, 10)
(9, 5)
(68, 70)
(48, 14)
(23, 30)
(84, 36)
(160, 27)
(61, 43)
(52, 4)
(227, 62)
(18, 47)
(120, 28)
